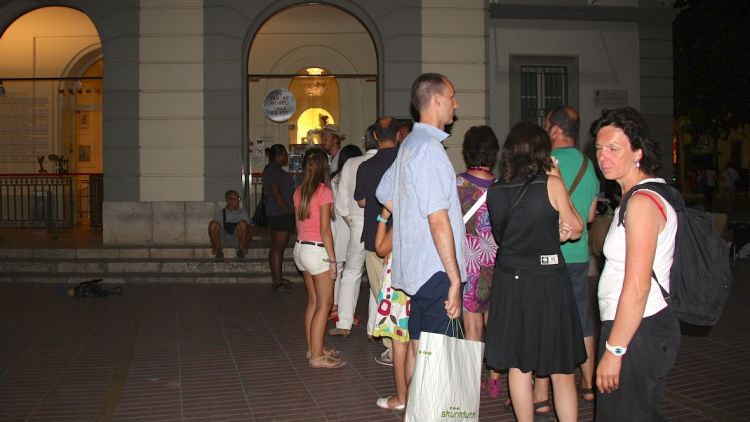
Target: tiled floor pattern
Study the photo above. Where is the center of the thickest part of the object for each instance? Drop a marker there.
(226, 352)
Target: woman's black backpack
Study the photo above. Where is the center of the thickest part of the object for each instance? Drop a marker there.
(701, 277)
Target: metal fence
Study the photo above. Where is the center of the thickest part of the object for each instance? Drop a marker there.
(54, 201)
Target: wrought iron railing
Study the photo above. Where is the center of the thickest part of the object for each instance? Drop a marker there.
(54, 201)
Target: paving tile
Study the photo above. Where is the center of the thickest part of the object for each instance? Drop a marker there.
(236, 352)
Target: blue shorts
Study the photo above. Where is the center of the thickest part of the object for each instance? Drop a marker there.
(428, 306)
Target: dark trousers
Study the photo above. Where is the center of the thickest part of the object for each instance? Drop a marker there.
(651, 354)
(428, 306)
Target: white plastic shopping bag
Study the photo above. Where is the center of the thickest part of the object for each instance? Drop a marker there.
(446, 381)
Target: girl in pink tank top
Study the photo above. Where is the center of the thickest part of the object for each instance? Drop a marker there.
(314, 254)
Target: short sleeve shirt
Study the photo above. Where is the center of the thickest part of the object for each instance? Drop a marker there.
(369, 174)
(309, 229)
(233, 216)
(420, 182)
(273, 174)
(570, 160)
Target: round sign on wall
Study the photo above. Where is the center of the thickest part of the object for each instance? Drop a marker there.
(279, 105)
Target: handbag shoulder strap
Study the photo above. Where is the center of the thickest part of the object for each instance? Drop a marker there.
(474, 208)
(579, 176)
(516, 199)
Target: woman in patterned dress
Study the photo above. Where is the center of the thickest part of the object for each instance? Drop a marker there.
(480, 154)
(392, 319)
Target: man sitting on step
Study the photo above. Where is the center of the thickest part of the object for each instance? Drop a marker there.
(230, 227)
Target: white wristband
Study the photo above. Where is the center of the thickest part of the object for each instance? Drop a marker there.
(615, 350)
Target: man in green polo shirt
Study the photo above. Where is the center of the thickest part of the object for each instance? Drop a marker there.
(562, 125)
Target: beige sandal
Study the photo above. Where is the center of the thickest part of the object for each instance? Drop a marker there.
(328, 352)
(326, 362)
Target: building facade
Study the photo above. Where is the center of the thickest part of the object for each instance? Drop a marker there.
(168, 95)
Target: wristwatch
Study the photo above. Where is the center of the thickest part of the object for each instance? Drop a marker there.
(616, 350)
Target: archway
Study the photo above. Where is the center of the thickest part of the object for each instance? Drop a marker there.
(51, 106)
(286, 46)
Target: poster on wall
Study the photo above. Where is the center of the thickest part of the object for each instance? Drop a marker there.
(84, 153)
(279, 105)
(83, 120)
(25, 128)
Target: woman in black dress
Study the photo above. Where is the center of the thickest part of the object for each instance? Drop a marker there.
(278, 187)
(533, 323)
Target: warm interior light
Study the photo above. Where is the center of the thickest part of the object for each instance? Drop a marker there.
(310, 120)
(314, 71)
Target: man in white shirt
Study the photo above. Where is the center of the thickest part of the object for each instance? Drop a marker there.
(330, 142)
(350, 274)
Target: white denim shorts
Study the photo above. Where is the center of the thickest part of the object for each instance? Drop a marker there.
(311, 258)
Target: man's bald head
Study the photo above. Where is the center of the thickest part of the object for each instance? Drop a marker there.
(386, 128)
(566, 119)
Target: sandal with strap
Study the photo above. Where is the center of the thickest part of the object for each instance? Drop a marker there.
(334, 315)
(326, 351)
(586, 392)
(541, 405)
(326, 362)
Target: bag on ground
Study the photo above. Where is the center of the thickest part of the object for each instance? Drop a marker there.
(446, 381)
(700, 277)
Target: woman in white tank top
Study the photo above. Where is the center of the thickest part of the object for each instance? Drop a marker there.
(639, 337)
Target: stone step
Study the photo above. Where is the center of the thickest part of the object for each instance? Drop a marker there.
(139, 264)
(250, 278)
(132, 253)
(103, 266)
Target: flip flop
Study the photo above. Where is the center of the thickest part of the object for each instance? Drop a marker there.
(327, 352)
(383, 404)
(326, 362)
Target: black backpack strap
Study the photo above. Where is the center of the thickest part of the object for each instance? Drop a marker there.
(669, 194)
(664, 292)
(516, 200)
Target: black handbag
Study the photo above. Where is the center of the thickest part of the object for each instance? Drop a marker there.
(259, 216)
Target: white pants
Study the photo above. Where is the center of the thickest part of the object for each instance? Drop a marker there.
(340, 232)
(351, 278)
(350, 273)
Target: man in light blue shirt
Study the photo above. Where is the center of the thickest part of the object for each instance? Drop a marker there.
(428, 230)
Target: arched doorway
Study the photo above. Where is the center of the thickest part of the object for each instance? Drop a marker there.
(327, 59)
(51, 106)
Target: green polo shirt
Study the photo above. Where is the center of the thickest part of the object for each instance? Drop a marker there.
(570, 160)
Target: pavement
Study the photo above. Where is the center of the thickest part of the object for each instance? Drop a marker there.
(221, 352)
(173, 351)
